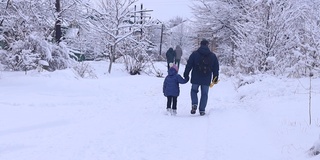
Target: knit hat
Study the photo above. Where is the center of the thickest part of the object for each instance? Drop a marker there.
(175, 67)
(204, 42)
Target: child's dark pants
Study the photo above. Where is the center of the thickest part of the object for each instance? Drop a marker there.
(173, 100)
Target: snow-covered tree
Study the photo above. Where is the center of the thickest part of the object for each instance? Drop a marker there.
(115, 25)
(180, 32)
(268, 36)
(27, 28)
(304, 56)
(281, 38)
(219, 22)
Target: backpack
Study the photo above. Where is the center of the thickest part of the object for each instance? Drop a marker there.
(204, 65)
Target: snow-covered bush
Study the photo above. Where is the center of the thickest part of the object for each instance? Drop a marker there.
(84, 70)
(157, 72)
(24, 54)
(228, 71)
(42, 64)
(153, 69)
(60, 57)
(134, 64)
(244, 80)
(21, 56)
(135, 57)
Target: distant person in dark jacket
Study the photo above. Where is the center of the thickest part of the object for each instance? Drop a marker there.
(171, 88)
(170, 55)
(200, 79)
(178, 51)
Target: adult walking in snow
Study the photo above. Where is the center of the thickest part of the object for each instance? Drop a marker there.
(178, 55)
(170, 55)
(171, 88)
(205, 68)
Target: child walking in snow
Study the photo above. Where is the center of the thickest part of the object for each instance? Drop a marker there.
(171, 88)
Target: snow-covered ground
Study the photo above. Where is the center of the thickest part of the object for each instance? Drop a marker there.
(59, 116)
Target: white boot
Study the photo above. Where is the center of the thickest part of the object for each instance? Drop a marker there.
(169, 111)
(174, 112)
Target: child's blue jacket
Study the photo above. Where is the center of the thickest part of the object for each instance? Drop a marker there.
(171, 83)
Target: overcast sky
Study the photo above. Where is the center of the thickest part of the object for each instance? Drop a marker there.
(167, 9)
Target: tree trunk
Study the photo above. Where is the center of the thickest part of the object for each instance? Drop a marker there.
(112, 53)
(58, 22)
(110, 64)
(8, 2)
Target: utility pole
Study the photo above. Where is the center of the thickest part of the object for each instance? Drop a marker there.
(135, 15)
(141, 19)
(58, 22)
(143, 15)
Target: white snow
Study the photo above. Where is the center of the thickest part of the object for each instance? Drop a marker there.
(59, 116)
(43, 62)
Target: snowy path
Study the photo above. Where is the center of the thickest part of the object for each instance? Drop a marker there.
(223, 134)
(122, 118)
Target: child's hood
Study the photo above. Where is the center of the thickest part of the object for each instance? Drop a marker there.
(172, 71)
